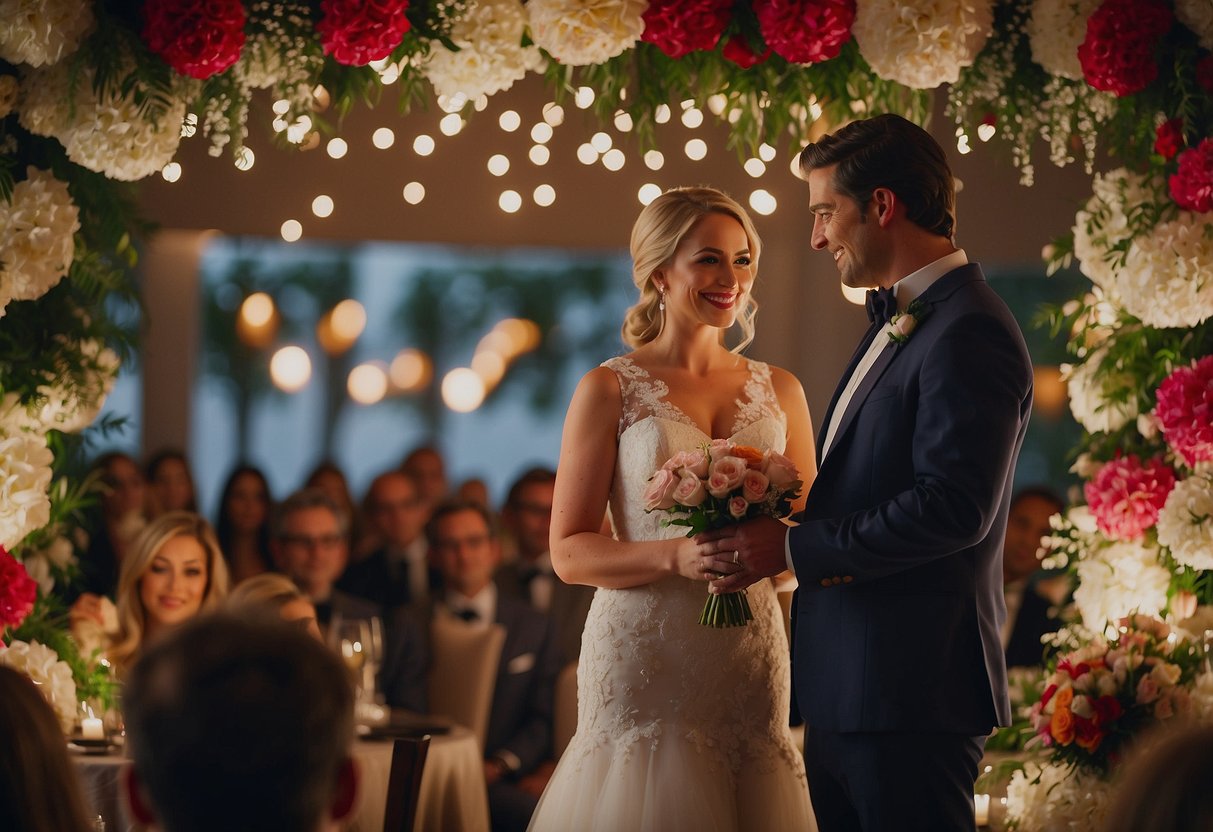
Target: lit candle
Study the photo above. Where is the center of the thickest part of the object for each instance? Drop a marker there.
(91, 728)
(981, 809)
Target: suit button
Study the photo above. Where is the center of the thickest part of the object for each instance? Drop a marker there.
(836, 579)
(825, 581)
(846, 579)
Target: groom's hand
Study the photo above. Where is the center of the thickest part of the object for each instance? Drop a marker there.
(746, 553)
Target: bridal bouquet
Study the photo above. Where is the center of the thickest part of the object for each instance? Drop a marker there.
(717, 485)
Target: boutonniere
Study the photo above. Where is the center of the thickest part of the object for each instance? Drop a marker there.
(903, 324)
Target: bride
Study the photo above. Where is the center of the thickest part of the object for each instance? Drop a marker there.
(679, 726)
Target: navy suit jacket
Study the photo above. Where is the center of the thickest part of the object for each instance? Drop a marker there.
(899, 550)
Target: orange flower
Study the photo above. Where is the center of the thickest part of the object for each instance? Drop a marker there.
(752, 456)
(1062, 724)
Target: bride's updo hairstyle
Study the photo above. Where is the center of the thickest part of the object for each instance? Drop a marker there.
(656, 235)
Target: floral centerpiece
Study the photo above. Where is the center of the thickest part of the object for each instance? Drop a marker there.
(718, 485)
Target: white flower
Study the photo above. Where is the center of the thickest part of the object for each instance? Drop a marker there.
(52, 676)
(1197, 15)
(1118, 579)
(1103, 230)
(43, 564)
(491, 56)
(38, 32)
(1202, 697)
(1185, 524)
(25, 474)
(107, 135)
(1167, 279)
(94, 639)
(1064, 800)
(921, 43)
(1089, 401)
(37, 236)
(8, 94)
(584, 32)
(71, 408)
(1055, 31)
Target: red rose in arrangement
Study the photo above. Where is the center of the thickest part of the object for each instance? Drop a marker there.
(356, 32)
(1192, 184)
(1118, 53)
(17, 591)
(198, 38)
(1185, 411)
(737, 50)
(1169, 138)
(1127, 494)
(806, 31)
(677, 27)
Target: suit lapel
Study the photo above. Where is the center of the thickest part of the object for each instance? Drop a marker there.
(882, 362)
(842, 384)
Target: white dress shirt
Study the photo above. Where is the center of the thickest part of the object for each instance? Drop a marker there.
(483, 602)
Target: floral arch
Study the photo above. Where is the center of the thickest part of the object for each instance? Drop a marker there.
(97, 95)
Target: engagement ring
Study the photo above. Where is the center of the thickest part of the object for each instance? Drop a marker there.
(736, 558)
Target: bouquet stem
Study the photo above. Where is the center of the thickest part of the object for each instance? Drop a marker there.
(731, 609)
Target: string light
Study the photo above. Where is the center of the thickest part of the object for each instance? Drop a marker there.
(613, 159)
(423, 145)
(509, 121)
(541, 133)
(291, 230)
(414, 192)
(654, 159)
(498, 165)
(553, 114)
(584, 97)
(290, 369)
(539, 154)
(692, 118)
(648, 192)
(383, 138)
(451, 124)
(544, 195)
(509, 201)
(367, 383)
(171, 172)
(766, 152)
(322, 206)
(763, 202)
(601, 142)
(245, 158)
(754, 167)
(696, 149)
(463, 390)
(337, 148)
(586, 154)
(623, 121)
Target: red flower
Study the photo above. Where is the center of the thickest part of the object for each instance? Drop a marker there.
(737, 49)
(1127, 494)
(1192, 184)
(677, 27)
(1204, 73)
(355, 32)
(17, 591)
(805, 31)
(1169, 138)
(198, 38)
(1118, 52)
(1107, 709)
(1185, 411)
(1087, 734)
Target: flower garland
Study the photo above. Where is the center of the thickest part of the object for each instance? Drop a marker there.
(1117, 54)
(806, 31)
(43, 32)
(37, 237)
(1126, 496)
(52, 676)
(1185, 411)
(490, 55)
(678, 28)
(198, 38)
(1185, 524)
(923, 43)
(356, 33)
(584, 32)
(1055, 30)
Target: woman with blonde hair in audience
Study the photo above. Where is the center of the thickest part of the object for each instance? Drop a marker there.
(276, 592)
(173, 571)
(39, 791)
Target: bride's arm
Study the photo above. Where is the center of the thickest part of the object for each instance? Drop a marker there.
(580, 553)
(801, 448)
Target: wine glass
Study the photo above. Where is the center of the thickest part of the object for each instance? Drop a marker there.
(351, 637)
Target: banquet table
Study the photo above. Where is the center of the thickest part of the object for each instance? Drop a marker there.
(453, 794)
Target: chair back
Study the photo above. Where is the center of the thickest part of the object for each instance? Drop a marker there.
(463, 672)
(564, 722)
(404, 783)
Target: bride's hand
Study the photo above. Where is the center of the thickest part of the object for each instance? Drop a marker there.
(704, 561)
(744, 554)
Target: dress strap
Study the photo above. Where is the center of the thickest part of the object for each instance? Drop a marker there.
(759, 398)
(642, 395)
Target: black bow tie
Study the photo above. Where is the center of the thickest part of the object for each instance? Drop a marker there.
(467, 614)
(880, 304)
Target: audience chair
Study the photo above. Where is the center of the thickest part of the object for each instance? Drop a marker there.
(404, 783)
(463, 672)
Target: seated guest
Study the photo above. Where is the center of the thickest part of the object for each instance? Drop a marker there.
(527, 516)
(39, 791)
(474, 490)
(241, 724)
(427, 468)
(465, 548)
(397, 570)
(277, 593)
(114, 525)
(331, 480)
(244, 523)
(1164, 785)
(1030, 593)
(170, 486)
(172, 572)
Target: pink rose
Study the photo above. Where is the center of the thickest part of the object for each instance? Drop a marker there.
(738, 507)
(689, 462)
(904, 325)
(718, 448)
(754, 486)
(725, 474)
(690, 491)
(660, 493)
(781, 472)
(1147, 690)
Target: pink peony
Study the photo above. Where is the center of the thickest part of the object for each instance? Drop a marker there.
(1192, 184)
(1118, 54)
(1169, 138)
(356, 33)
(677, 27)
(754, 486)
(18, 591)
(690, 491)
(660, 493)
(1185, 411)
(805, 31)
(196, 38)
(1126, 496)
(725, 474)
(738, 507)
(737, 49)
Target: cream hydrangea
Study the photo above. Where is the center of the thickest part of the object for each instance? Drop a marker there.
(1167, 278)
(25, 474)
(1119, 579)
(9, 88)
(37, 236)
(42, 32)
(1064, 799)
(107, 134)
(585, 32)
(1103, 229)
(52, 676)
(1185, 524)
(1056, 28)
(1089, 400)
(71, 408)
(921, 43)
(491, 56)
(1197, 15)
(43, 564)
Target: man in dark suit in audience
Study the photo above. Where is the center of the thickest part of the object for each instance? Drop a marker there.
(527, 516)
(396, 571)
(1031, 594)
(241, 724)
(465, 548)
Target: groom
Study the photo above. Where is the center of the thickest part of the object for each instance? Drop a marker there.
(898, 667)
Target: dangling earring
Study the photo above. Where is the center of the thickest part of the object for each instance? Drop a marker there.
(661, 302)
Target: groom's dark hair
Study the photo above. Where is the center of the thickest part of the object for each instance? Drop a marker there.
(888, 151)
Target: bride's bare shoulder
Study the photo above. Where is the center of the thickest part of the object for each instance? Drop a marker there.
(788, 388)
(600, 386)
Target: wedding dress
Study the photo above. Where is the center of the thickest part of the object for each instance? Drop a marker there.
(679, 726)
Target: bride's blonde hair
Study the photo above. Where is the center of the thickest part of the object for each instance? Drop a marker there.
(655, 236)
